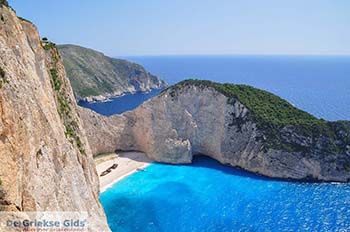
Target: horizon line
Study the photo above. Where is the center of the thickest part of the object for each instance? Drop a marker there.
(213, 54)
(252, 54)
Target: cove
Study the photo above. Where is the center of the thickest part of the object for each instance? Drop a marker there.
(208, 196)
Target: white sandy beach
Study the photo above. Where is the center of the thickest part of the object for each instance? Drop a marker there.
(128, 163)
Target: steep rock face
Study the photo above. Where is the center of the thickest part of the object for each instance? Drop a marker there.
(107, 134)
(96, 76)
(195, 118)
(46, 162)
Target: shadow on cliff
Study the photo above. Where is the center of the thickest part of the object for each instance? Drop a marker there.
(133, 155)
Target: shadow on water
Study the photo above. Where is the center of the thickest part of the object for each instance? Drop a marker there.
(205, 161)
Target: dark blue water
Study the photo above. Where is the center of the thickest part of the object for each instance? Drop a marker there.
(317, 84)
(207, 196)
(121, 104)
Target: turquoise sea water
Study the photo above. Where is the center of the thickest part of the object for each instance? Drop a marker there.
(207, 196)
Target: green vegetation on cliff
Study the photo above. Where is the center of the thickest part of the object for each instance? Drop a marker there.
(91, 73)
(4, 2)
(272, 114)
(48, 45)
(3, 79)
(2, 73)
(56, 82)
(63, 101)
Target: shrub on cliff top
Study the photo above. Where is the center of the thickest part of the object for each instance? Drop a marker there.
(47, 45)
(25, 20)
(4, 2)
(267, 106)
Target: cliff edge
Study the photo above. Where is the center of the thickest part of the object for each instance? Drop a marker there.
(237, 125)
(46, 162)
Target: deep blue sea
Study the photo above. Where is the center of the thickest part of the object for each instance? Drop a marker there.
(209, 197)
(120, 104)
(317, 84)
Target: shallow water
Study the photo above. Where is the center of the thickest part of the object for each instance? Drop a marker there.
(207, 196)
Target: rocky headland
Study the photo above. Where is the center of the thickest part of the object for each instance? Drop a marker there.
(96, 77)
(237, 125)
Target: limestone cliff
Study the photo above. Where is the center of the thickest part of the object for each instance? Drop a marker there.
(96, 76)
(46, 162)
(237, 125)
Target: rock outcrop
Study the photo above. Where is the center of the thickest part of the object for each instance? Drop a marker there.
(95, 76)
(237, 125)
(46, 162)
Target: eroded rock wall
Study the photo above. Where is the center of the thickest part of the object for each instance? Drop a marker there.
(43, 168)
(190, 120)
